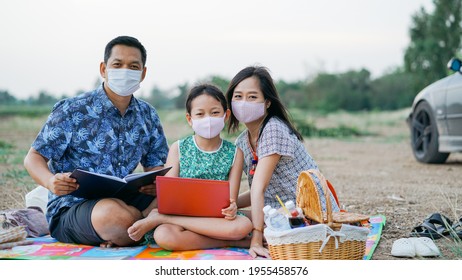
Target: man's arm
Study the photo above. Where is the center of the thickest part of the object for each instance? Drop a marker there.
(59, 184)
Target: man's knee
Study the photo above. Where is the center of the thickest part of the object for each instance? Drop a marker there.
(110, 212)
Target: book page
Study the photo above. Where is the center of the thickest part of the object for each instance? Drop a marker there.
(105, 176)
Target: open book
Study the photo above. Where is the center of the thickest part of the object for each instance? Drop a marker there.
(93, 185)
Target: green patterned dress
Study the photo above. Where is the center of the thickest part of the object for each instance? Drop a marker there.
(196, 163)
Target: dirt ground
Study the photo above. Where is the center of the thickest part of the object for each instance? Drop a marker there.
(372, 175)
(384, 178)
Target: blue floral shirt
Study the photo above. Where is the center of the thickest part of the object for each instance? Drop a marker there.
(88, 132)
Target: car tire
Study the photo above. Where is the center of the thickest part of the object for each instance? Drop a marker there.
(424, 135)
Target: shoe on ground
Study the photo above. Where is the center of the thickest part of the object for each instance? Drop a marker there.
(425, 247)
(415, 246)
(403, 247)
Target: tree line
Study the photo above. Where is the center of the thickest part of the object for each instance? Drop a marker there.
(435, 37)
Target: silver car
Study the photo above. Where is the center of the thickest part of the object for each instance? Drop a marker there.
(436, 118)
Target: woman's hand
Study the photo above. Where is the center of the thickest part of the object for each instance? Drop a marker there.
(256, 249)
(230, 212)
(62, 184)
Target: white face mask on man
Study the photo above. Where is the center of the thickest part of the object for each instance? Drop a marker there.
(208, 127)
(123, 82)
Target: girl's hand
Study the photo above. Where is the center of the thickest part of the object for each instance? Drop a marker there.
(230, 212)
(62, 184)
(149, 189)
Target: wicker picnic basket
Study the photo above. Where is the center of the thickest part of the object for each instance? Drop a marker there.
(332, 239)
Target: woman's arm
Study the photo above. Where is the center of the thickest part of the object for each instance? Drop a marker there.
(261, 179)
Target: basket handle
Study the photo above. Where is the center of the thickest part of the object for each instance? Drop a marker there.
(326, 191)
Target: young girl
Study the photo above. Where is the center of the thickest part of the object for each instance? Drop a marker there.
(203, 155)
(274, 154)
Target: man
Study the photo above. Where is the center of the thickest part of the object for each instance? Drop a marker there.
(105, 131)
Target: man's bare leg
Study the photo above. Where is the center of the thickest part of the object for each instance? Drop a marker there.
(111, 218)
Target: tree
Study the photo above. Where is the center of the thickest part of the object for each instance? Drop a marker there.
(293, 94)
(43, 98)
(392, 91)
(180, 100)
(435, 38)
(347, 91)
(6, 98)
(159, 99)
(221, 82)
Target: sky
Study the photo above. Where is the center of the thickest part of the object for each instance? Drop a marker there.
(56, 46)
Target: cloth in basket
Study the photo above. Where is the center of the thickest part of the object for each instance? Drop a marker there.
(326, 240)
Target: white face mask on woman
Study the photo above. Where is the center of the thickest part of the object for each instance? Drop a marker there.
(123, 82)
(208, 127)
(247, 112)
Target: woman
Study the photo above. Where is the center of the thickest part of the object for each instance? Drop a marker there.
(274, 154)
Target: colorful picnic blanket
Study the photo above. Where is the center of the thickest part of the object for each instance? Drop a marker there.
(48, 248)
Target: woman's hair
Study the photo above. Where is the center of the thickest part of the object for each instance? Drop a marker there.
(276, 109)
(210, 90)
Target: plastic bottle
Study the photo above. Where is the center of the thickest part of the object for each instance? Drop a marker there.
(277, 221)
(266, 210)
(294, 211)
(296, 218)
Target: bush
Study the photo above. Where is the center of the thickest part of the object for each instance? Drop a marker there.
(25, 110)
(308, 129)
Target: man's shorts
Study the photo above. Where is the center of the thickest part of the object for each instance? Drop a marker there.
(73, 224)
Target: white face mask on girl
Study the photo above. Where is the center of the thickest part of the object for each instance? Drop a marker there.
(208, 127)
(123, 82)
(246, 112)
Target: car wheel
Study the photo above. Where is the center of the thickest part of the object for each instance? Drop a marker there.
(424, 135)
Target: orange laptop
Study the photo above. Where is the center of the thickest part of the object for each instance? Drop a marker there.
(191, 197)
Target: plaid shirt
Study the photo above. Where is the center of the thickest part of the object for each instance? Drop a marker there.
(88, 132)
(276, 138)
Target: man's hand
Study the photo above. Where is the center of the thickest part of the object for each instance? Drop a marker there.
(62, 184)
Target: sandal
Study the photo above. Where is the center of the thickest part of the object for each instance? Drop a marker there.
(456, 229)
(434, 226)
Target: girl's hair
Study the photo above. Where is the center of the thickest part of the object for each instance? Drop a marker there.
(276, 109)
(210, 90)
